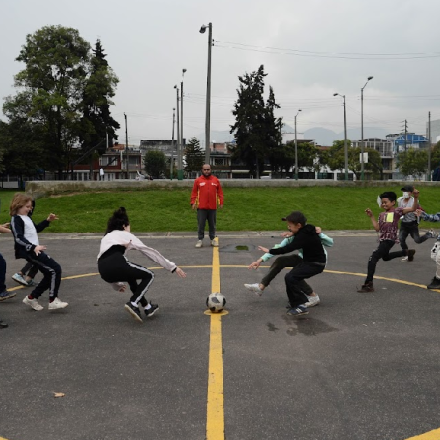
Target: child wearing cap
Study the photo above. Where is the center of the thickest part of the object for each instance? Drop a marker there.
(313, 261)
(409, 224)
(287, 261)
(387, 226)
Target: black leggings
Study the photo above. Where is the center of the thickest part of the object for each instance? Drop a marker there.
(116, 268)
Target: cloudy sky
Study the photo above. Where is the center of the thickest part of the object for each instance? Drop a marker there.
(309, 48)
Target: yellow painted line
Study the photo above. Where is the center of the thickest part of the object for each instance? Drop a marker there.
(2, 438)
(431, 435)
(215, 419)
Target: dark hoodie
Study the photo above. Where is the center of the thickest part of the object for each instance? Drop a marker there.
(308, 240)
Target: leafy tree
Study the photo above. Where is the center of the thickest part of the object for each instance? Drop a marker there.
(435, 156)
(256, 130)
(334, 157)
(194, 156)
(155, 163)
(63, 96)
(412, 162)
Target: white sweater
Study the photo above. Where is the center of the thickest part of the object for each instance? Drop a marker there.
(130, 241)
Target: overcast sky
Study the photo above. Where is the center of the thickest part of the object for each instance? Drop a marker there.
(322, 47)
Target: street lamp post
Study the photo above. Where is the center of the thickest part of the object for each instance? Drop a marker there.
(296, 149)
(208, 95)
(362, 127)
(180, 153)
(345, 137)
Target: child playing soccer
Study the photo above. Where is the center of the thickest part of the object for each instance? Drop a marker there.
(26, 275)
(313, 262)
(287, 261)
(387, 226)
(114, 267)
(27, 246)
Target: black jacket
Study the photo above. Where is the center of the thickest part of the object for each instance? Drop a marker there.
(22, 246)
(308, 240)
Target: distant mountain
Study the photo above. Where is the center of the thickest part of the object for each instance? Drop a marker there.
(325, 137)
(321, 136)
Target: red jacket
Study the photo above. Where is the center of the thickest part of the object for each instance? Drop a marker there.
(206, 191)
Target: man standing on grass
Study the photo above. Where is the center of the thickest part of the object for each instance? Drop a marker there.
(206, 194)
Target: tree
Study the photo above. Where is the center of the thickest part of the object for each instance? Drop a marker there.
(412, 162)
(62, 96)
(97, 123)
(334, 158)
(155, 164)
(194, 156)
(256, 130)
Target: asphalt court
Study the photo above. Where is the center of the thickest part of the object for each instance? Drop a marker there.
(359, 366)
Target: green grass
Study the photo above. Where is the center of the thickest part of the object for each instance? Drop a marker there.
(246, 209)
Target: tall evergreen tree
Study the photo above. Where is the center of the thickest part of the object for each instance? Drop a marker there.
(194, 156)
(97, 123)
(250, 121)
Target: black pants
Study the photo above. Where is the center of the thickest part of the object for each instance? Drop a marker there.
(29, 269)
(202, 216)
(51, 271)
(116, 268)
(382, 251)
(2, 274)
(279, 264)
(294, 279)
(412, 229)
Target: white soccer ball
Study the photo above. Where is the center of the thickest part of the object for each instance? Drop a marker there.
(216, 302)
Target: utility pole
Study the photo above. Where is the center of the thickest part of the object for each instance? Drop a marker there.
(208, 96)
(296, 149)
(406, 131)
(180, 157)
(126, 145)
(429, 148)
(172, 146)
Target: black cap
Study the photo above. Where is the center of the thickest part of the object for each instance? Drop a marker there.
(408, 188)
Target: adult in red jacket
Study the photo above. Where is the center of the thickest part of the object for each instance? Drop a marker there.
(206, 194)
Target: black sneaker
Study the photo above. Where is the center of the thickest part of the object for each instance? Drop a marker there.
(134, 311)
(367, 287)
(152, 310)
(411, 253)
(435, 284)
(3, 324)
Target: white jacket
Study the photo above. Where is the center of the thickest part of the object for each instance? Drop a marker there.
(130, 241)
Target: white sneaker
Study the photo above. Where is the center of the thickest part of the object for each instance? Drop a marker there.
(199, 244)
(432, 234)
(214, 242)
(313, 301)
(57, 304)
(19, 279)
(33, 303)
(254, 288)
(405, 258)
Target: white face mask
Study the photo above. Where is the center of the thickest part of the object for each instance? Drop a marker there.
(405, 195)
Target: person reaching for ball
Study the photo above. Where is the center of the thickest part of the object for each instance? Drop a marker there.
(114, 267)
